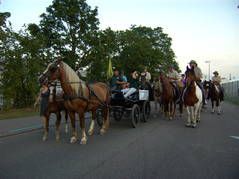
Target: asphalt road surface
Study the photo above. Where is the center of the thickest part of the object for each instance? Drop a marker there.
(156, 149)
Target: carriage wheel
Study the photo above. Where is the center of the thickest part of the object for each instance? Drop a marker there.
(135, 115)
(99, 117)
(146, 111)
(117, 114)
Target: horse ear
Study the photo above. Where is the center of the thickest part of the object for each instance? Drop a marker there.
(187, 68)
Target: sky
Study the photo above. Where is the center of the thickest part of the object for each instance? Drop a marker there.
(203, 30)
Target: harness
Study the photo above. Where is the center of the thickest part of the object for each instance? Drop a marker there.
(83, 97)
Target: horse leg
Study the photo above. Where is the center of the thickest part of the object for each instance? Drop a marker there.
(171, 110)
(194, 114)
(199, 113)
(92, 123)
(188, 123)
(73, 126)
(106, 121)
(46, 127)
(82, 126)
(213, 106)
(218, 107)
(181, 109)
(58, 122)
(66, 122)
(174, 108)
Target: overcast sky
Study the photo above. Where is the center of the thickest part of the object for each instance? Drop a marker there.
(201, 29)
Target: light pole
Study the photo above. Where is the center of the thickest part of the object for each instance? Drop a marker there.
(209, 63)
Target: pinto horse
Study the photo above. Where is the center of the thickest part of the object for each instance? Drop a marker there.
(192, 98)
(80, 97)
(215, 94)
(168, 97)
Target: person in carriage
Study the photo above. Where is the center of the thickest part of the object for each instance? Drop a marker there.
(132, 85)
(116, 81)
(216, 79)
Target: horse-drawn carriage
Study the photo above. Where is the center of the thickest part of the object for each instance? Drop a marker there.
(136, 107)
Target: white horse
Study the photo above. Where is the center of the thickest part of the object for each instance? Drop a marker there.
(192, 99)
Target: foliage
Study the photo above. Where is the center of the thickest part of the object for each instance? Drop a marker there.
(69, 30)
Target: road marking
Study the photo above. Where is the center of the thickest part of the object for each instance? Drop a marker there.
(235, 137)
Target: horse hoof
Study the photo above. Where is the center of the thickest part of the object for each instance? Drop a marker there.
(58, 139)
(212, 112)
(194, 125)
(73, 140)
(83, 141)
(90, 132)
(187, 125)
(218, 113)
(66, 130)
(44, 138)
(102, 131)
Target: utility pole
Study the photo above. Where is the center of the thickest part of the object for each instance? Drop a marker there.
(209, 70)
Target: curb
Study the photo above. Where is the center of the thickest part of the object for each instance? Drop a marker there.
(27, 129)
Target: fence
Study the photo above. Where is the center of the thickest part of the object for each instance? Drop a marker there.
(231, 89)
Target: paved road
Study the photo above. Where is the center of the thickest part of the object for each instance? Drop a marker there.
(157, 149)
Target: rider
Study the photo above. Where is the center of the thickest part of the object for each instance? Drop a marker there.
(146, 74)
(116, 81)
(173, 76)
(198, 73)
(216, 79)
(133, 84)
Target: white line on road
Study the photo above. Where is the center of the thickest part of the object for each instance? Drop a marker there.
(235, 137)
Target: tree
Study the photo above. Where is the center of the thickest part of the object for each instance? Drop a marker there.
(70, 30)
(141, 47)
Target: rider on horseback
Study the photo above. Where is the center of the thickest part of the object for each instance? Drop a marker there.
(199, 76)
(173, 76)
(216, 79)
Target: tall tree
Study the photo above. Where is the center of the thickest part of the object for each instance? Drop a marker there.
(70, 28)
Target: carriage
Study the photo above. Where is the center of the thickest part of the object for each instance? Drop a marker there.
(136, 107)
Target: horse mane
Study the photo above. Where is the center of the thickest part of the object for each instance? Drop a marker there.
(74, 81)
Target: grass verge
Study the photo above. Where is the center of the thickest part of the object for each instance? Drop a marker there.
(17, 113)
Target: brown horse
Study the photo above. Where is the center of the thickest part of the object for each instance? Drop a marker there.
(80, 97)
(215, 94)
(55, 105)
(157, 91)
(168, 97)
(192, 98)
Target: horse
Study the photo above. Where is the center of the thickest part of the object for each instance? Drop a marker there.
(168, 97)
(157, 92)
(192, 98)
(215, 94)
(80, 97)
(56, 106)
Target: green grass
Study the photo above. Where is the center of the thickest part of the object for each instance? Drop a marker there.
(234, 100)
(17, 113)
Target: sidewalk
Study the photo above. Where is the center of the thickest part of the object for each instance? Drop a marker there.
(9, 127)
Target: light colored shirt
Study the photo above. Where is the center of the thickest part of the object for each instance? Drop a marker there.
(173, 75)
(198, 73)
(216, 79)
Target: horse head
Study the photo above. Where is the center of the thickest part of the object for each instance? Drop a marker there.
(190, 76)
(51, 73)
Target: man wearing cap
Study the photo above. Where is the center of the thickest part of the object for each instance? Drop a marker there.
(116, 81)
(216, 79)
(199, 76)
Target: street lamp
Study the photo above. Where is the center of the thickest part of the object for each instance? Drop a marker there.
(209, 62)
